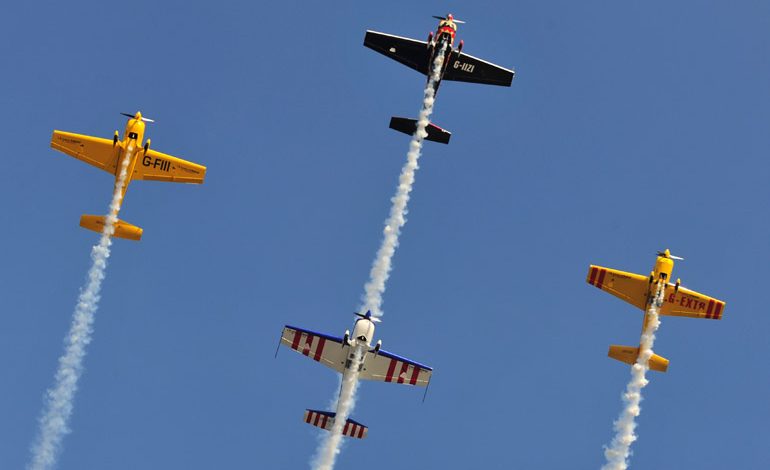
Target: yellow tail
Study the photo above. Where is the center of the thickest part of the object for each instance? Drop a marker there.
(628, 354)
(122, 229)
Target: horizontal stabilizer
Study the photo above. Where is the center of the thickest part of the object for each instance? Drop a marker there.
(409, 126)
(122, 229)
(325, 420)
(628, 354)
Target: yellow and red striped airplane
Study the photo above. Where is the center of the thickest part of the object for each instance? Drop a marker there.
(641, 291)
(108, 155)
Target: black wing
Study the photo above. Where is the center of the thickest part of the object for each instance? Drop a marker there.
(410, 52)
(466, 68)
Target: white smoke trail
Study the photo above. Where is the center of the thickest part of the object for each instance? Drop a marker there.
(60, 398)
(618, 452)
(330, 447)
(381, 267)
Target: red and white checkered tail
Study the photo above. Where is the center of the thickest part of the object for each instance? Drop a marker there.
(325, 420)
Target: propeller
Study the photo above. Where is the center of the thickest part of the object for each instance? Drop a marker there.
(667, 254)
(133, 116)
(449, 17)
(368, 316)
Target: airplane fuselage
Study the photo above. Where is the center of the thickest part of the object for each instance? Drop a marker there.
(443, 40)
(129, 148)
(357, 345)
(659, 279)
(446, 32)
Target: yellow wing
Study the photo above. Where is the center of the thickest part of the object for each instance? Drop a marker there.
(688, 303)
(630, 287)
(161, 167)
(93, 150)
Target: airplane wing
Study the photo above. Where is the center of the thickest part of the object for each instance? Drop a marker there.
(388, 367)
(92, 150)
(410, 52)
(688, 303)
(626, 286)
(466, 68)
(161, 167)
(326, 349)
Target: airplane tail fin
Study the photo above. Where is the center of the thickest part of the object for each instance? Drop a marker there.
(325, 420)
(122, 228)
(408, 126)
(628, 354)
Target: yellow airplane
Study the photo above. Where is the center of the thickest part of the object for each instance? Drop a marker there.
(108, 155)
(641, 291)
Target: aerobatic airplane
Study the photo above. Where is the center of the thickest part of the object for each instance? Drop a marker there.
(144, 164)
(419, 55)
(641, 291)
(339, 354)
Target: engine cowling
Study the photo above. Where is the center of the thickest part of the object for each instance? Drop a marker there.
(363, 332)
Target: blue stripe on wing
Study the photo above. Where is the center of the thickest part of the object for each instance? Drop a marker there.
(336, 339)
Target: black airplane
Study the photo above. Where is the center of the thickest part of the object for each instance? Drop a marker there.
(420, 55)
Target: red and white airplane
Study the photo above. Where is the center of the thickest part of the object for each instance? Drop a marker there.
(339, 354)
(420, 55)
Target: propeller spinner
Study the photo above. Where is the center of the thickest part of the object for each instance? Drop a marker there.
(368, 316)
(140, 116)
(449, 17)
(667, 254)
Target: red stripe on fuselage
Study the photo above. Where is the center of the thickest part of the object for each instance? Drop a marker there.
(391, 368)
(319, 349)
(401, 374)
(601, 278)
(594, 271)
(415, 374)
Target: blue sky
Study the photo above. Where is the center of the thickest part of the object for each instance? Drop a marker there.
(630, 127)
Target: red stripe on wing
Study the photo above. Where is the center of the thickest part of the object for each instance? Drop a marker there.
(415, 374)
(710, 309)
(718, 313)
(601, 278)
(319, 349)
(308, 345)
(401, 374)
(391, 368)
(594, 271)
(295, 341)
